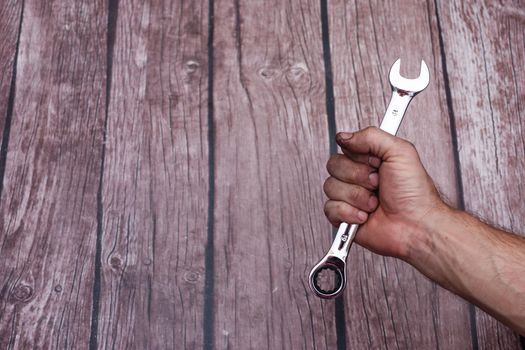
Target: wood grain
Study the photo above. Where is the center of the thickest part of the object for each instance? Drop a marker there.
(48, 207)
(485, 51)
(10, 18)
(388, 303)
(155, 183)
(271, 147)
(113, 236)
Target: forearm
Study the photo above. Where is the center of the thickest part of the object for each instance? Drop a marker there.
(474, 260)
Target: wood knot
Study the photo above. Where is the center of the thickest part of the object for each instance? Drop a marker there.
(192, 276)
(22, 293)
(58, 288)
(147, 261)
(298, 71)
(267, 72)
(192, 66)
(115, 262)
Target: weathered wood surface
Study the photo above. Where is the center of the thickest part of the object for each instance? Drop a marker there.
(155, 178)
(485, 53)
(271, 145)
(10, 20)
(150, 204)
(387, 302)
(48, 218)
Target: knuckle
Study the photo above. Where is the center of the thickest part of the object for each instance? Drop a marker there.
(327, 185)
(330, 211)
(330, 164)
(408, 147)
(327, 208)
(369, 130)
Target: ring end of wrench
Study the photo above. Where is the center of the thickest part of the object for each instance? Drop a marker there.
(334, 261)
(335, 265)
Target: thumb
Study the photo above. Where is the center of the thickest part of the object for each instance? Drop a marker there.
(370, 140)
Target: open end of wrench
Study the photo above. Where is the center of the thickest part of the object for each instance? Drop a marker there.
(412, 86)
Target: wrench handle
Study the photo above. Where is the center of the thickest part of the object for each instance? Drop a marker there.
(391, 121)
(395, 111)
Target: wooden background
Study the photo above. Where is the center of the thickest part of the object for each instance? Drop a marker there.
(161, 167)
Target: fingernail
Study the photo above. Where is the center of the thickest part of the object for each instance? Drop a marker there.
(362, 215)
(372, 202)
(373, 179)
(374, 161)
(344, 136)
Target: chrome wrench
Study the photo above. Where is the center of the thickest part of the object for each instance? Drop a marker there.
(403, 90)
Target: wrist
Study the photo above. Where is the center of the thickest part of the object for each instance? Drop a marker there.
(422, 236)
(438, 247)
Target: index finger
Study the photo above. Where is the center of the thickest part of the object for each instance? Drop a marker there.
(369, 140)
(364, 158)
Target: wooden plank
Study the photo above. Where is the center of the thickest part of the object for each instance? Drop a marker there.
(155, 184)
(485, 50)
(388, 303)
(48, 218)
(271, 148)
(10, 18)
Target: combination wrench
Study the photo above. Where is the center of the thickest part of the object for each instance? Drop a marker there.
(403, 90)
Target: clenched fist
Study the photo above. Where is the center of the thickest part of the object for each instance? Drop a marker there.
(380, 183)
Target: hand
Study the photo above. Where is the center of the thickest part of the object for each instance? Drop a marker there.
(411, 222)
(380, 183)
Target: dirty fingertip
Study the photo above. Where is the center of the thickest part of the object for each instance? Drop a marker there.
(344, 136)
